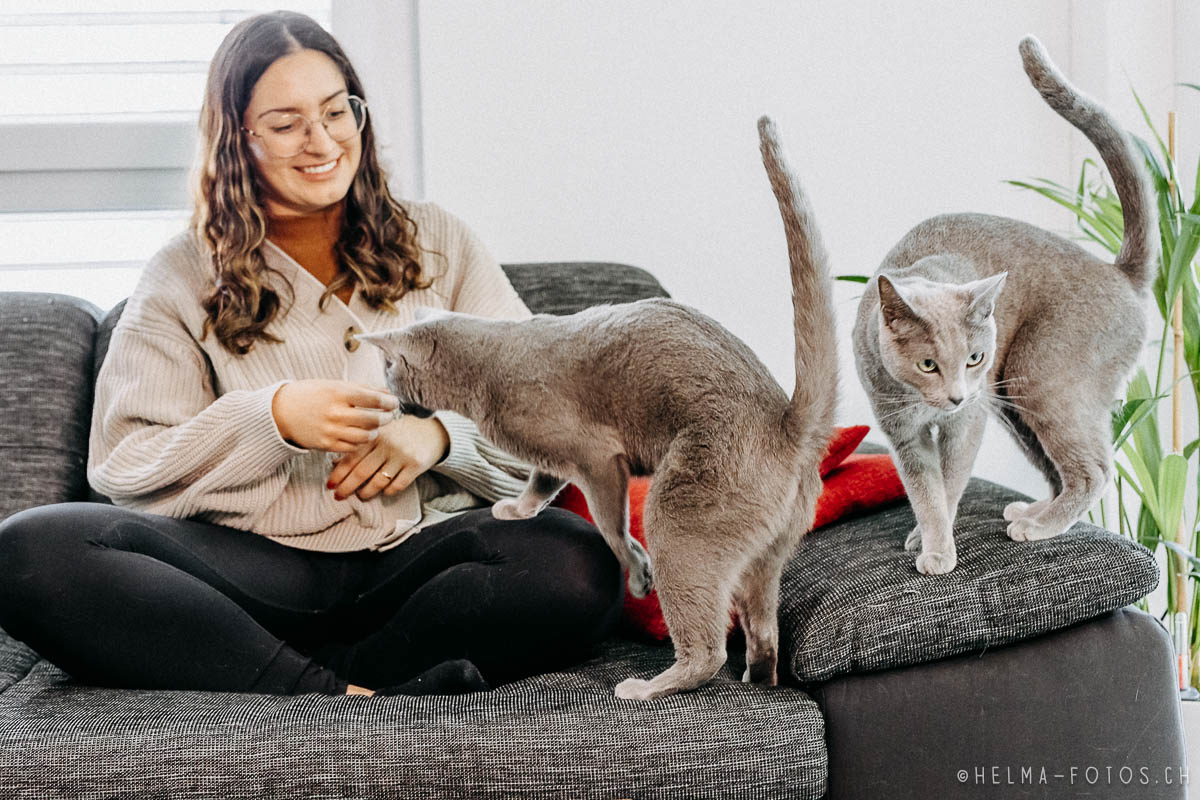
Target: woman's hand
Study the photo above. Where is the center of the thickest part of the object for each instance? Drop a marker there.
(405, 448)
(330, 415)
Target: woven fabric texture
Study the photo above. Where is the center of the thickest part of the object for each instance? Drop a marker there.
(552, 736)
(570, 287)
(852, 600)
(46, 396)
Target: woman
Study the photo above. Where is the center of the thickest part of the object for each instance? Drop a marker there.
(278, 528)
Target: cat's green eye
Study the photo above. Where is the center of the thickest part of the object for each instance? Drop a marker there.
(974, 359)
(928, 365)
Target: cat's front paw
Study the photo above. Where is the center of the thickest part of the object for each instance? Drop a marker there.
(634, 689)
(510, 509)
(936, 563)
(1030, 530)
(913, 542)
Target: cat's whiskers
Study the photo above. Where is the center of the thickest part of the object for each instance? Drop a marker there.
(1004, 402)
(885, 401)
(896, 412)
(896, 399)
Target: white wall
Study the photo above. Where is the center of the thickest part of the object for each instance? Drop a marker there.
(626, 132)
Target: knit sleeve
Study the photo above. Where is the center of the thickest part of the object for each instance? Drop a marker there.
(162, 441)
(476, 464)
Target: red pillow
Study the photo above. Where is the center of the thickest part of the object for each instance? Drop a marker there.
(841, 444)
(863, 482)
(853, 483)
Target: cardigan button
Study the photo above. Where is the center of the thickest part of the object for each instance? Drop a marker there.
(349, 340)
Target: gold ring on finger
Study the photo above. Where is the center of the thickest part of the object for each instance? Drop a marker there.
(387, 475)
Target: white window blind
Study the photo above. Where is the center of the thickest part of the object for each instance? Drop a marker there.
(116, 57)
(98, 108)
(98, 99)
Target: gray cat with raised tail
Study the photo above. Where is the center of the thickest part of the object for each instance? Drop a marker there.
(971, 314)
(657, 387)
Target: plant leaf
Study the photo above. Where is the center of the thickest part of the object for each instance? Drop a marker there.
(1132, 414)
(1184, 251)
(1145, 435)
(1143, 483)
(1099, 227)
(1166, 154)
(1144, 486)
(1180, 551)
(852, 278)
(1172, 483)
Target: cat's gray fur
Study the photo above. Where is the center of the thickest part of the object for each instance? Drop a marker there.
(657, 387)
(1059, 330)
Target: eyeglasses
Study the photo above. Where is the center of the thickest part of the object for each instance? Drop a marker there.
(286, 135)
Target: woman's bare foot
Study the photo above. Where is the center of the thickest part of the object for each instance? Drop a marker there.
(352, 689)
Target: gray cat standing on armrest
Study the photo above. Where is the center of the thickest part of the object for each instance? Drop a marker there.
(657, 387)
(972, 313)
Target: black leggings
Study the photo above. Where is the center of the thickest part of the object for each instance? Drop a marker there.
(123, 598)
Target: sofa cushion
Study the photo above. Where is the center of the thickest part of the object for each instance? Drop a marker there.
(563, 734)
(46, 394)
(852, 600)
(573, 286)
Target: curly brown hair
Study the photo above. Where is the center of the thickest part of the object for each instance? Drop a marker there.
(377, 249)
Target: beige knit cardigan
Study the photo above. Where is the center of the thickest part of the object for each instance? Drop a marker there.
(183, 428)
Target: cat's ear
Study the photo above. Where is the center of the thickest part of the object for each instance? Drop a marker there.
(892, 304)
(401, 343)
(983, 294)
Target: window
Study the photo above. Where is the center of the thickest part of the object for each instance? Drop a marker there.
(100, 101)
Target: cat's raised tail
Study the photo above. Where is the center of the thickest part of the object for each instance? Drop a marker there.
(1139, 248)
(809, 417)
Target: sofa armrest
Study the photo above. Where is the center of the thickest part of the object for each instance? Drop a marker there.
(46, 350)
(1095, 706)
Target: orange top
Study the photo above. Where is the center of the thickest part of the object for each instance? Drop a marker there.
(310, 241)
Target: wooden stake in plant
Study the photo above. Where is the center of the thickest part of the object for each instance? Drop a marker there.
(1177, 371)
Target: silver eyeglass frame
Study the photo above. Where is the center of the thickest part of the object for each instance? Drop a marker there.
(309, 129)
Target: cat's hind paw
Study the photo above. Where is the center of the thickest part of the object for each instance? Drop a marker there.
(641, 580)
(635, 689)
(936, 563)
(1015, 510)
(510, 508)
(1020, 510)
(913, 542)
(762, 673)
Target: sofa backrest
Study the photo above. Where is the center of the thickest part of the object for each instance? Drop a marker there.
(46, 356)
(52, 346)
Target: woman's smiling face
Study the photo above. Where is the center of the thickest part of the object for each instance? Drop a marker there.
(304, 83)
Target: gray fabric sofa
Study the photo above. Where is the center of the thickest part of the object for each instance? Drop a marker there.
(1023, 673)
